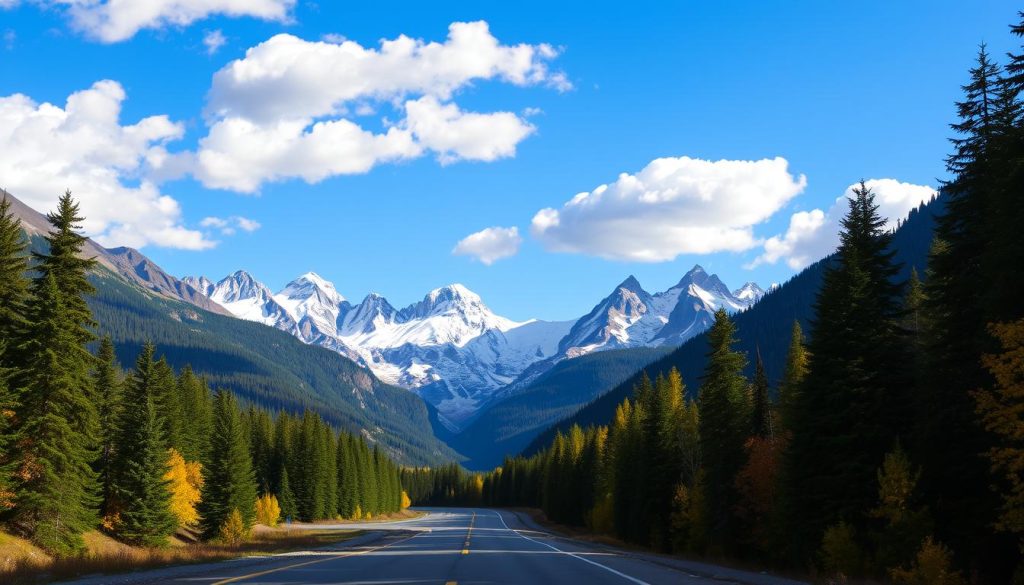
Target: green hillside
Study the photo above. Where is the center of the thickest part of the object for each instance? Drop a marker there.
(510, 424)
(267, 367)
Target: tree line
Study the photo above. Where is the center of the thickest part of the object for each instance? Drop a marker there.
(144, 453)
(891, 447)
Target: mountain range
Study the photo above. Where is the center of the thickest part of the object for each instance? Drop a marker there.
(137, 302)
(453, 350)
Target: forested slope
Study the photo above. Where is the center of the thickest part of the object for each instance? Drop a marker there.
(766, 327)
(266, 366)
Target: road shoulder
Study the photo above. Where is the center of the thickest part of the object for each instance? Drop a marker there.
(523, 521)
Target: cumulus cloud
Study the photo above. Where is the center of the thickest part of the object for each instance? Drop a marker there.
(673, 206)
(456, 135)
(46, 148)
(285, 110)
(814, 234)
(213, 40)
(490, 245)
(230, 225)
(240, 155)
(112, 21)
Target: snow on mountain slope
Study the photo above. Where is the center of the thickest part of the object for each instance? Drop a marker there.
(632, 317)
(201, 284)
(249, 299)
(749, 292)
(314, 304)
(457, 353)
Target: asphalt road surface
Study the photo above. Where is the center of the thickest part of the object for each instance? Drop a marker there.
(452, 546)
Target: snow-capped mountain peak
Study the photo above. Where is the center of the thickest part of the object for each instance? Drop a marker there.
(310, 284)
(238, 286)
(748, 292)
(247, 298)
(200, 284)
(314, 303)
(453, 350)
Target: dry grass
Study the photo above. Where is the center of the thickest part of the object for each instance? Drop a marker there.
(403, 515)
(20, 562)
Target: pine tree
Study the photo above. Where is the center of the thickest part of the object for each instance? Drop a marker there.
(197, 411)
(229, 482)
(286, 498)
(14, 284)
(13, 298)
(168, 403)
(140, 494)
(63, 260)
(348, 481)
(282, 459)
(947, 438)
(57, 500)
(107, 381)
(145, 515)
(327, 471)
(761, 413)
(262, 446)
(853, 403)
(793, 376)
(724, 422)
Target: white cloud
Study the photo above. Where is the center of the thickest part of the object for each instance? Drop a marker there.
(240, 155)
(112, 21)
(285, 110)
(456, 135)
(230, 225)
(45, 149)
(287, 77)
(490, 245)
(814, 234)
(673, 206)
(9, 37)
(802, 243)
(213, 40)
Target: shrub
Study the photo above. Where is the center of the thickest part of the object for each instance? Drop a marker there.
(233, 531)
(840, 554)
(933, 566)
(268, 511)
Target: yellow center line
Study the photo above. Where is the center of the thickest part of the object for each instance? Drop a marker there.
(307, 563)
(469, 534)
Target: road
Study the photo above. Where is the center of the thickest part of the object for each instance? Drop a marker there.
(458, 547)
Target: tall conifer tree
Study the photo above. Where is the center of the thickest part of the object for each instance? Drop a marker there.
(724, 426)
(13, 299)
(107, 381)
(58, 498)
(229, 482)
(853, 403)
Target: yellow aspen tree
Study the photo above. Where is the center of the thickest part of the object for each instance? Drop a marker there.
(268, 511)
(1002, 412)
(185, 479)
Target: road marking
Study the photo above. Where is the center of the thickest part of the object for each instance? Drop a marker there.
(307, 563)
(574, 555)
(469, 535)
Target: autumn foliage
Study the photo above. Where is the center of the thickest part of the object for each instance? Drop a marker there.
(268, 511)
(185, 480)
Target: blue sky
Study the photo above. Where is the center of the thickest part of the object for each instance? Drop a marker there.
(840, 92)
